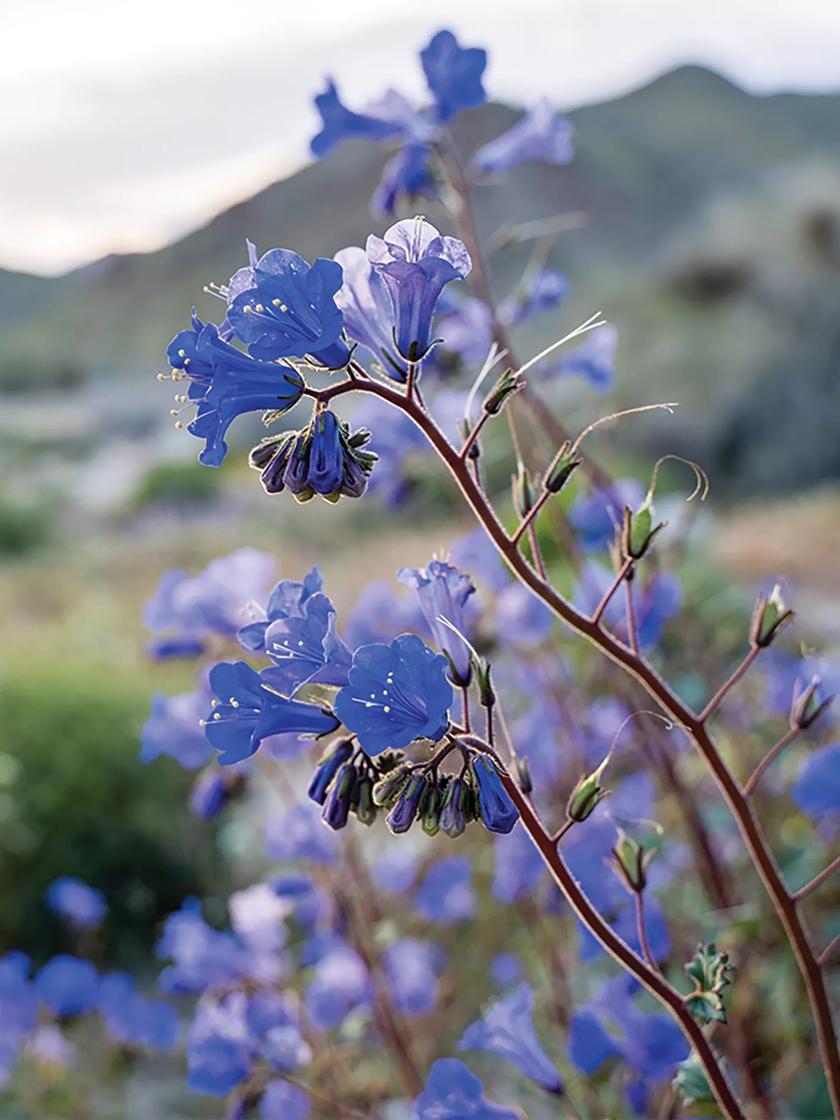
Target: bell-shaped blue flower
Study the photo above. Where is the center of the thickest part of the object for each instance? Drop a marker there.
(305, 648)
(453, 74)
(412, 967)
(395, 693)
(133, 1020)
(290, 310)
(286, 600)
(543, 291)
(384, 121)
(365, 302)
(326, 460)
(498, 813)
(224, 383)
(416, 264)
(406, 178)
(247, 712)
(542, 134)
(443, 591)
(453, 1092)
(817, 788)
(507, 1029)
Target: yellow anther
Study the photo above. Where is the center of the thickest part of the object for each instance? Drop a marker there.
(260, 308)
(182, 353)
(247, 309)
(217, 715)
(178, 425)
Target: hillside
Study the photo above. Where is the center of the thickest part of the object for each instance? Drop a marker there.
(711, 240)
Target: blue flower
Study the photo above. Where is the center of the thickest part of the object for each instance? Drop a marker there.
(395, 870)
(596, 516)
(507, 1029)
(67, 985)
(467, 330)
(299, 835)
(655, 603)
(186, 611)
(406, 178)
(224, 383)
(519, 866)
(542, 134)
(365, 302)
(133, 1020)
(338, 753)
(379, 611)
(543, 291)
(340, 123)
(521, 617)
(174, 728)
(247, 712)
(453, 1092)
(282, 1101)
(202, 957)
(412, 967)
(340, 984)
(286, 600)
(219, 1048)
(446, 894)
(305, 648)
(498, 813)
(589, 1044)
(817, 789)
(506, 969)
(212, 790)
(453, 74)
(593, 359)
(443, 592)
(74, 899)
(416, 264)
(290, 310)
(395, 693)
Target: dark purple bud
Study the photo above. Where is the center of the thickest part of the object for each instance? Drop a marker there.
(497, 812)
(340, 797)
(295, 477)
(338, 753)
(353, 478)
(561, 468)
(401, 817)
(457, 808)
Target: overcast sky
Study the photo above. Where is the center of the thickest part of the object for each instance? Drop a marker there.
(125, 125)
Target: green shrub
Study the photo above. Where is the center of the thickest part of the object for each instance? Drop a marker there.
(23, 528)
(75, 800)
(176, 484)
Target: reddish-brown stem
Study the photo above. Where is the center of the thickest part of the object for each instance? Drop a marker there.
(638, 669)
(473, 436)
(818, 880)
(530, 516)
(561, 831)
(825, 955)
(641, 929)
(769, 758)
(536, 552)
(611, 590)
(715, 701)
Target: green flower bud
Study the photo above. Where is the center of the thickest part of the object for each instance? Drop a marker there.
(522, 774)
(809, 705)
(638, 531)
(364, 806)
(587, 794)
(387, 789)
(486, 693)
(523, 494)
(631, 861)
(508, 384)
(562, 467)
(430, 809)
(770, 617)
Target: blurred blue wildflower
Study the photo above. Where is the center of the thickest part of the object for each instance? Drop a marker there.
(541, 134)
(507, 1029)
(519, 866)
(453, 74)
(506, 969)
(817, 788)
(395, 870)
(282, 1101)
(385, 121)
(133, 1020)
(407, 177)
(446, 893)
(211, 791)
(247, 712)
(18, 1009)
(67, 985)
(542, 291)
(521, 617)
(219, 1047)
(379, 611)
(290, 310)
(443, 591)
(174, 729)
(453, 1092)
(589, 1044)
(655, 602)
(202, 957)
(412, 967)
(416, 264)
(225, 383)
(299, 835)
(340, 983)
(593, 359)
(595, 517)
(72, 898)
(395, 693)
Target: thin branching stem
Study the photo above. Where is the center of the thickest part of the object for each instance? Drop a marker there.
(630, 607)
(818, 880)
(621, 574)
(715, 701)
(641, 929)
(769, 758)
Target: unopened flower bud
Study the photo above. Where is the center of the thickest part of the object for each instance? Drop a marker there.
(338, 752)
(462, 680)
(809, 705)
(587, 794)
(430, 809)
(631, 861)
(401, 817)
(638, 531)
(486, 692)
(465, 428)
(496, 810)
(387, 789)
(523, 493)
(522, 773)
(457, 808)
(562, 467)
(508, 384)
(339, 799)
(364, 807)
(770, 617)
